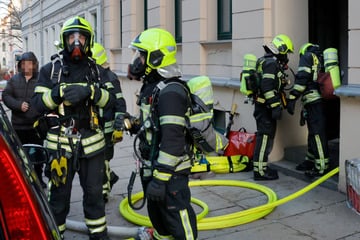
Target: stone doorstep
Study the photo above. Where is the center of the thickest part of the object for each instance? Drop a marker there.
(295, 155)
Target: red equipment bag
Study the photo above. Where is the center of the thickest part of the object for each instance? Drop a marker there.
(326, 86)
(241, 143)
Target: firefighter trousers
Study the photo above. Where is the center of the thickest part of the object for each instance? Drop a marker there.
(91, 171)
(175, 217)
(266, 129)
(317, 140)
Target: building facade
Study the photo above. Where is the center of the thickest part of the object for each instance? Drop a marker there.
(10, 35)
(213, 36)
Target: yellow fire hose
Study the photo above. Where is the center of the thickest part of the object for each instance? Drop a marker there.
(227, 220)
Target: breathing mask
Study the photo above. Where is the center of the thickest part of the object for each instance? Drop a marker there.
(136, 69)
(76, 48)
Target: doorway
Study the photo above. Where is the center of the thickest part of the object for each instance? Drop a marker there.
(328, 27)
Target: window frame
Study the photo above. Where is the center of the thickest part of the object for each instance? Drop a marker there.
(223, 34)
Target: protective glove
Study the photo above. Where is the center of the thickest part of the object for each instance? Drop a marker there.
(119, 122)
(156, 190)
(56, 94)
(290, 106)
(117, 136)
(276, 113)
(76, 93)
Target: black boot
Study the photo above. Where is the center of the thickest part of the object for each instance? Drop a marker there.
(305, 165)
(269, 174)
(315, 173)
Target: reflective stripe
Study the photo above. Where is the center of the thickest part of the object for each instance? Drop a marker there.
(269, 75)
(260, 167)
(94, 138)
(184, 216)
(219, 143)
(261, 164)
(41, 89)
(181, 163)
(269, 94)
(205, 93)
(96, 225)
(48, 101)
(62, 228)
(260, 100)
(170, 160)
(311, 96)
(162, 175)
(299, 88)
(91, 144)
(275, 104)
(109, 85)
(104, 98)
(184, 165)
(156, 235)
(304, 69)
(201, 117)
(172, 119)
(54, 146)
(119, 95)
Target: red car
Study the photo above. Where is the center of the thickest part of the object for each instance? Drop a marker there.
(24, 210)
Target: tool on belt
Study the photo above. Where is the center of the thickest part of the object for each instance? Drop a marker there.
(59, 165)
(72, 133)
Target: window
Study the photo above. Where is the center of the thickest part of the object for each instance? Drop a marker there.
(4, 47)
(145, 15)
(224, 19)
(94, 23)
(178, 21)
(4, 61)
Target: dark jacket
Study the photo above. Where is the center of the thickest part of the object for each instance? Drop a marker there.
(17, 91)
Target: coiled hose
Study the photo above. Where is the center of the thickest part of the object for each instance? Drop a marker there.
(232, 219)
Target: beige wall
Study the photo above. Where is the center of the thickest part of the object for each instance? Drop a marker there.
(254, 23)
(349, 107)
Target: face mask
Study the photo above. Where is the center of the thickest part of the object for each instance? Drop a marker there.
(76, 49)
(136, 69)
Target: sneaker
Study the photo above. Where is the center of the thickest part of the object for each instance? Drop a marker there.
(269, 174)
(113, 179)
(305, 166)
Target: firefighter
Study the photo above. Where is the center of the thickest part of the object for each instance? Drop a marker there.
(268, 103)
(306, 86)
(112, 118)
(73, 93)
(164, 145)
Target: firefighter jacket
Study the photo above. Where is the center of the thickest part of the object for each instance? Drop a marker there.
(306, 79)
(111, 82)
(17, 91)
(48, 98)
(167, 137)
(270, 85)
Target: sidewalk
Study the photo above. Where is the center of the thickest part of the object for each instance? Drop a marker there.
(320, 214)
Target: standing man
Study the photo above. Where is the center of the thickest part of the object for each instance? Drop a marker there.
(70, 88)
(112, 117)
(164, 144)
(268, 103)
(306, 86)
(16, 96)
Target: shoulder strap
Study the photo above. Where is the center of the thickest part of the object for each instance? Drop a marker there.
(56, 69)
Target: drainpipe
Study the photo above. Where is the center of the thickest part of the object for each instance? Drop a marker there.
(41, 34)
